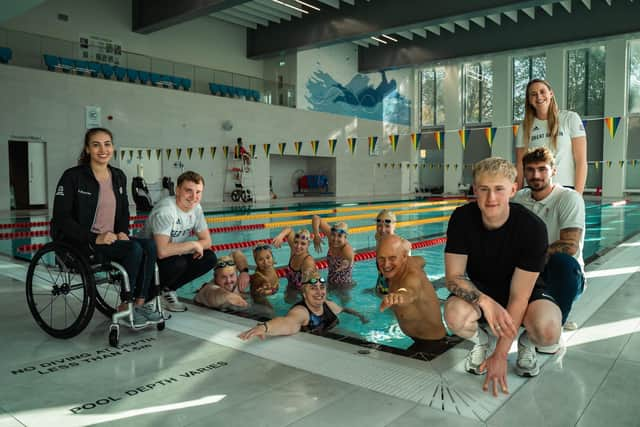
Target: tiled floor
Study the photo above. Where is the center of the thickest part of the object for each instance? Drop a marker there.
(196, 373)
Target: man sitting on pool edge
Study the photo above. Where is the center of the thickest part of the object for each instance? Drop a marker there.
(411, 297)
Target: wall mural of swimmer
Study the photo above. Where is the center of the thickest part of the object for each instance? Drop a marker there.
(360, 97)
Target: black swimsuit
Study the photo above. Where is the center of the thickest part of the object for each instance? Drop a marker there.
(319, 324)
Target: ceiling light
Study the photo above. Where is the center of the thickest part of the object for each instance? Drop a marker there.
(290, 6)
(308, 5)
(390, 38)
(379, 40)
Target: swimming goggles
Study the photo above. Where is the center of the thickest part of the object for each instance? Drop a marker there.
(301, 236)
(261, 248)
(314, 281)
(386, 221)
(338, 230)
(223, 264)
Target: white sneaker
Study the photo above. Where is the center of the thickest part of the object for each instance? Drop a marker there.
(171, 301)
(527, 362)
(478, 354)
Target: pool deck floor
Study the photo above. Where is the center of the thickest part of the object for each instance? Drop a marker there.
(196, 372)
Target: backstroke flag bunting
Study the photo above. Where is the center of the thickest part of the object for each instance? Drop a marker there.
(612, 125)
(332, 146)
(314, 146)
(148, 153)
(415, 140)
(393, 140)
(178, 152)
(200, 151)
(490, 133)
(122, 154)
(225, 151)
(252, 150)
(515, 130)
(168, 151)
(212, 150)
(373, 141)
(189, 151)
(464, 134)
(439, 135)
(352, 144)
(158, 153)
(282, 146)
(298, 146)
(267, 149)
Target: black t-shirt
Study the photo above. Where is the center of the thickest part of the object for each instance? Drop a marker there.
(493, 255)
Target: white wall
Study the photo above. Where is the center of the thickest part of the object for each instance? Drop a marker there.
(51, 106)
(206, 42)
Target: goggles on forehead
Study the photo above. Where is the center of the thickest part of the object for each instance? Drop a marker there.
(223, 264)
(262, 248)
(301, 236)
(386, 220)
(314, 281)
(338, 230)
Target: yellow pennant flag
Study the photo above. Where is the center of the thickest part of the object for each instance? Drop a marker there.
(158, 153)
(201, 151)
(189, 151)
(212, 150)
(168, 151)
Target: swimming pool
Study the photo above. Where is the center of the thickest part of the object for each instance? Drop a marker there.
(607, 225)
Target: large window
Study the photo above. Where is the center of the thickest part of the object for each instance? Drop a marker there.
(585, 81)
(634, 77)
(478, 93)
(525, 68)
(432, 97)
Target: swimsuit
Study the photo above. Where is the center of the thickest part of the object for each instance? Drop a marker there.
(338, 276)
(319, 324)
(381, 285)
(294, 277)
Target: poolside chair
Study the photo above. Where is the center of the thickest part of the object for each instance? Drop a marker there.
(82, 67)
(186, 84)
(119, 72)
(107, 71)
(143, 76)
(67, 64)
(94, 68)
(5, 55)
(52, 62)
(132, 75)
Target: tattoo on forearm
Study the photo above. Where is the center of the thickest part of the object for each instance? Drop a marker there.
(568, 243)
(468, 292)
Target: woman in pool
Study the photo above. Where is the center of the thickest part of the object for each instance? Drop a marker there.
(313, 314)
(561, 131)
(265, 281)
(339, 256)
(299, 261)
(386, 225)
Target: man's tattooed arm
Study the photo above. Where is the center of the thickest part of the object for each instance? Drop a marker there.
(462, 287)
(569, 242)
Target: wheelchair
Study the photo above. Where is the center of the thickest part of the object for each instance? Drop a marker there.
(241, 193)
(64, 286)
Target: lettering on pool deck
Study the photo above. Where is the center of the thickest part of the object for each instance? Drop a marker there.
(134, 391)
(80, 359)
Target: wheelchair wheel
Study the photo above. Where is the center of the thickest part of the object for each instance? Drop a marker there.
(108, 289)
(60, 290)
(235, 195)
(246, 196)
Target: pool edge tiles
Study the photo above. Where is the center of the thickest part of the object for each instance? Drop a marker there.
(390, 374)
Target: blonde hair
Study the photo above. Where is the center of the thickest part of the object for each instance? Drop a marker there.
(530, 115)
(494, 166)
(386, 213)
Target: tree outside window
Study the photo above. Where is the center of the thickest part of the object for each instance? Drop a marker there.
(478, 93)
(432, 95)
(585, 81)
(525, 68)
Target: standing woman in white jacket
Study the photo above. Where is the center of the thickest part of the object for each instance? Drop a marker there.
(560, 131)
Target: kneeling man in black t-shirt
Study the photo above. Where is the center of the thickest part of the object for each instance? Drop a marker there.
(494, 254)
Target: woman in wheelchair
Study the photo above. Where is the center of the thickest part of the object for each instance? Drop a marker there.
(91, 210)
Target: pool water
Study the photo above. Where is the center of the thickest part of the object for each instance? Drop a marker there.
(607, 225)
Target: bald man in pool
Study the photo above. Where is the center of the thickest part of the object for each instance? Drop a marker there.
(411, 297)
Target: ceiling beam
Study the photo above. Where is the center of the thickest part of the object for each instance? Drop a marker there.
(619, 18)
(331, 26)
(148, 16)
